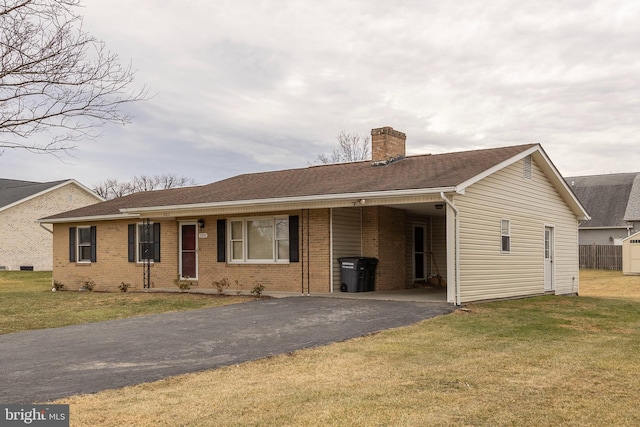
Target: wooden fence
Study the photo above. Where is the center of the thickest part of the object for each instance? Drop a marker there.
(604, 257)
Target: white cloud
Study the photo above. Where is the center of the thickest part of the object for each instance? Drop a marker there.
(250, 86)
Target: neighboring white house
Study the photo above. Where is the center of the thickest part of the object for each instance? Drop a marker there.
(24, 244)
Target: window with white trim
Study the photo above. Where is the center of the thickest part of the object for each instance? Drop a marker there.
(259, 240)
(84, 244)
(505, 234)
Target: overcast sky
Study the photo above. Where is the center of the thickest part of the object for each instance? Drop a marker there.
(245, 86)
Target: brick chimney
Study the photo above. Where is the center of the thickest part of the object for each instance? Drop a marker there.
(387, 144)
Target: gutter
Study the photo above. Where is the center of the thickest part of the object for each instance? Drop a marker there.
(112, 217)
(457, 248)
(295, 199)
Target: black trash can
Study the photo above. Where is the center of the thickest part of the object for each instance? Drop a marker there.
(357, 274)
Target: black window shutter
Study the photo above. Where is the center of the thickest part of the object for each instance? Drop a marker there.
(72, 244)
(93, 243)
(131, 242)
(156, 242)
(294, 253)
(222, 239)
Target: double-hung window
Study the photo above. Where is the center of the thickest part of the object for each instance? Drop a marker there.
(82, 244)
(505, 235)
(259, 240)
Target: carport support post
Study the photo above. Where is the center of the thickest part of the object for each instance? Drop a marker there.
(453, 251)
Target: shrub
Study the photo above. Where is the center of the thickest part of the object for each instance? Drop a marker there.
(57, 286)
(258, 289)
(89, 285)
(221, 285)
(183, 283)
(238, 287)
(124, 287)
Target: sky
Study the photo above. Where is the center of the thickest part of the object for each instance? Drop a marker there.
(247, 86)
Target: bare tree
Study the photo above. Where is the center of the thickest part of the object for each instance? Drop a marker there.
(352, 147)
(56, 77)
(112, 188)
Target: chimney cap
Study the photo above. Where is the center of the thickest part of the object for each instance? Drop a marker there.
(388, 130)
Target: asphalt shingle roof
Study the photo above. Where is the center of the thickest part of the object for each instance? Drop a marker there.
(12, 191)
(610, 199)
(413, 172)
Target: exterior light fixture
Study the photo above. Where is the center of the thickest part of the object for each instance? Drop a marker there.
(201, 223)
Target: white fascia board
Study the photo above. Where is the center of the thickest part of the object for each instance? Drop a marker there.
(462, 186)
(633, 236)
(548, 167)
(577, 207)
(609, 227)
(48, 190)
(303, 199)
(113, 217)
(87, 189)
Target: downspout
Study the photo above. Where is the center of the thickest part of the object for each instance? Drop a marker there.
(308, 254)
(41, 225)
(331, 279)
(457, 248)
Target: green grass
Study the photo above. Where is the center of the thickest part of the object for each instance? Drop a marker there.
(546, 361)
(26, 302)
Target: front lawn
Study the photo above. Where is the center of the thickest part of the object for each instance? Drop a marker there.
(546, 361)
(26, 302)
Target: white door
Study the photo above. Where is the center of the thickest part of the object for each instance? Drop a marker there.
(548, 259)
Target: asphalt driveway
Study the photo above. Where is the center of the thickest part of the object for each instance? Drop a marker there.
(42, 365)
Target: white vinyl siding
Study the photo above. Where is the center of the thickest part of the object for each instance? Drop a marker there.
(347, 238)
(485, 273)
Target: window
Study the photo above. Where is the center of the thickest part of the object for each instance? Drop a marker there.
(506, 235)
(144, 242)
(259, 240)
(82, 244)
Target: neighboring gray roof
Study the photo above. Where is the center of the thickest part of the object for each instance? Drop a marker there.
(611, 200)
(12, 191)
(633, 207)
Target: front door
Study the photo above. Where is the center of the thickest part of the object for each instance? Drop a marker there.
(419, 253)
(188, 251)
(548, 259)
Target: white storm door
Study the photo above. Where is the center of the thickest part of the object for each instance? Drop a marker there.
(188, 251)
(548, 259)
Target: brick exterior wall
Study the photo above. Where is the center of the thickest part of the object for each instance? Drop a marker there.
(384, 238)
(22, 241)
(112, 267)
